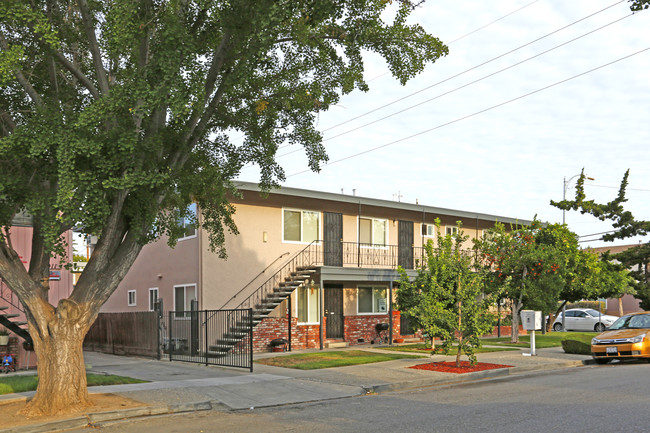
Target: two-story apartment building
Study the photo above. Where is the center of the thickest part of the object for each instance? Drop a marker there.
(317, 268)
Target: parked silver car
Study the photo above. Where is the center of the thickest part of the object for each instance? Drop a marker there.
(583, 319)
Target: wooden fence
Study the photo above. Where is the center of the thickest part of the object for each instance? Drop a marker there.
(133, 333)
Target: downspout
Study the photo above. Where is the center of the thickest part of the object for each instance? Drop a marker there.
(359, 235)
(321, 309)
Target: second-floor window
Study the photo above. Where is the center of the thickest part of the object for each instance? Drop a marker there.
(188, 223)
(451, 230)
(373, 231)
(300, 225)
(428, 230)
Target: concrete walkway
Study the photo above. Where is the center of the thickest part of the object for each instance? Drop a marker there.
(181, 387)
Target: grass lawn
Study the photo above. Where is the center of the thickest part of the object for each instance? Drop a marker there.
(339, 358)
(12, 384)
(552, 339)
(422, 348)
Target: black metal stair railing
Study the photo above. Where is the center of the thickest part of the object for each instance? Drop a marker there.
(5, 319)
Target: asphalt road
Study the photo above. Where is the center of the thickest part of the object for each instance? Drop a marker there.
(587, 399)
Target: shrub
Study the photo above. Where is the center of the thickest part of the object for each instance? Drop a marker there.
(577, 344)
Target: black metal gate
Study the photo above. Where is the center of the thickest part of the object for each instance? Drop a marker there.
(216, 337)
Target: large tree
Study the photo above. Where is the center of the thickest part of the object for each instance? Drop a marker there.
(625, 225)
(536, 266)
(116, 115)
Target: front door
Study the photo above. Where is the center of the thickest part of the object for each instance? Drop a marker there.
(405, 244)
(333, 303)
(333, 239)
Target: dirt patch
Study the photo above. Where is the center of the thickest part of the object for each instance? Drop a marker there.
(465, 367)
(101, 403)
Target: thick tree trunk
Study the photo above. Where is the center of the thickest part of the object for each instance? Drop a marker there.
(62, 386)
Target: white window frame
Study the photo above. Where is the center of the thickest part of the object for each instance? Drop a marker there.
(454, 230)
(315, 319)
(372, 235)
(153, 289)
(427, 225)
(372, 313)
(131, 302)
(182, 221)
(302, 212)
(185, 308)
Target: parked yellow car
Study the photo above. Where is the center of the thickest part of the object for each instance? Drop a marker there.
(628, 337)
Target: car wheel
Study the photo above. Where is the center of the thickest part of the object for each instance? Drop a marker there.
(557, 327)
(601, 360)
(600, 327)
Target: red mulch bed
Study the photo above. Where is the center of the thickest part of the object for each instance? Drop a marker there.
(465, 367)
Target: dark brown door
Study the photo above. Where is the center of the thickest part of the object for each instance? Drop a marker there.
(405, 244)
(333, 294)
(333, 239)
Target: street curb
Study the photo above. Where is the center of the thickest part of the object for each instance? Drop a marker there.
(469, 377)
(91, 419)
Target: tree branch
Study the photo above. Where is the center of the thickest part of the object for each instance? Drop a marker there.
(74, 70)
(33, 94)
(211, 78)
(87, 20)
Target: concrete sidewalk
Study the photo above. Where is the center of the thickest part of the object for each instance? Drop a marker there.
(181, 387)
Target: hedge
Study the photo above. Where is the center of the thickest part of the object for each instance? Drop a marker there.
(577, 344)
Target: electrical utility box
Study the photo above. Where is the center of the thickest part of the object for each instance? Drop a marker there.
(531, 320)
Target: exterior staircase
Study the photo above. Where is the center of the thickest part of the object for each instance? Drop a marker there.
(269, 302)
(14, 326)
(297, 272)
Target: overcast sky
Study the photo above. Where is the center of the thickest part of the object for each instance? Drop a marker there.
(462, 149)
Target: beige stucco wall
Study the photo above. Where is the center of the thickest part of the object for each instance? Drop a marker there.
(258, 250)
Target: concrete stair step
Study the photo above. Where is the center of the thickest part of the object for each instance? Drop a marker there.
(335, 344)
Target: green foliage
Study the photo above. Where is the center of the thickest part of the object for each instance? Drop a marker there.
(635, 260)
(116, 115)
(577, 344)
(540, 265)
(445, 298)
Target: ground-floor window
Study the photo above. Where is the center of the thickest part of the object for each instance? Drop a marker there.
(183, 297)
(308, 305)
(153, 298)
(131, 298)
(372, 299)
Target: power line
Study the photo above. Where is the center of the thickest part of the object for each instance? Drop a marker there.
(476, 113)
(490, 23)
(463, 72)
(478, 79)
(449, 43)
(472, 68)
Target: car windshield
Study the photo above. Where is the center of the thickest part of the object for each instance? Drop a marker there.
(592, 312)
(636, 321)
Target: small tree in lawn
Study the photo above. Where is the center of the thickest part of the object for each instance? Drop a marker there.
(445, 299)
